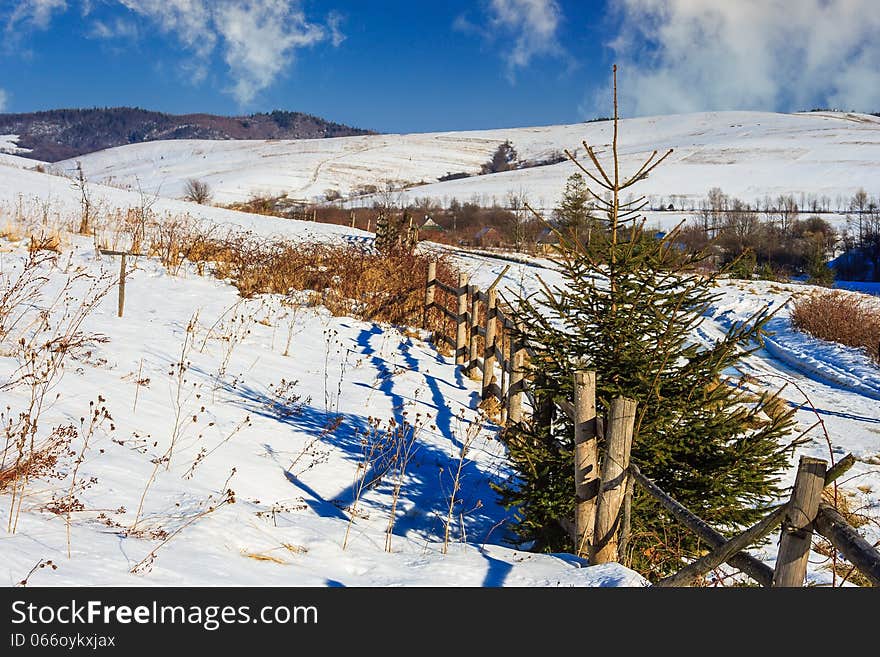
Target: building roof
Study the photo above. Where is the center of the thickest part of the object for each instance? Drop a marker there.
(485, 231)
(548, 236)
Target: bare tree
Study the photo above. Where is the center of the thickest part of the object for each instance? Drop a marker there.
(517, 203)
(197, 191)
(80, 184)
(858, 204)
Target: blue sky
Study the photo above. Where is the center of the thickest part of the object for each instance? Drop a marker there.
(402, 66)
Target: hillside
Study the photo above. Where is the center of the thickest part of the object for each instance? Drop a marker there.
(58, 134)
(749, 155)
(259, 419)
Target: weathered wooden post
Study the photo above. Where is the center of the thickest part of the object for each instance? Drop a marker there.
(618, 445)
(517, 376)
(626, 520)
(845, 538)
(461, 320)
(586, 459)
(473, 354)
(120, 305)
(430, 287)
(797, 526)
(489, 343)
(352, 218)
(504, 388)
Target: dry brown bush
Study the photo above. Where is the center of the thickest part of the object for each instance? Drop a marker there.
(21, 462)
(348, 279)
(851, 319)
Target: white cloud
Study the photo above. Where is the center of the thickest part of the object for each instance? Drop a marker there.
(190, 21)
(690, 55)
(524, 30)
(4, 98)
(257, 39)
(334, 24)
(36, 13)
(114, 29)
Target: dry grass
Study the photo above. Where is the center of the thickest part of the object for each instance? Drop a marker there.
(39, 335)
(847, 318)
(27, 463)
(347, 279)
(848, 506)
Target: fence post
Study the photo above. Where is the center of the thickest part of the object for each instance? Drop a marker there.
(473, 365)
(797, 527)
(626, 521)
(517, 374)
(121, 303)
(489, 344)
(586, 459)
(618, 445)
(429, 291)
(461, 320)
(843, 537)
(505, 374)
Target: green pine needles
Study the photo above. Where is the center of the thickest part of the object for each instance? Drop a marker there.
(631, 307)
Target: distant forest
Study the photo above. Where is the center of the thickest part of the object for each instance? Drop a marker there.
(60, 134)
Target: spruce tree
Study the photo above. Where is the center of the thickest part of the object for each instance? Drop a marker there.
(630, 308)
(574, 212)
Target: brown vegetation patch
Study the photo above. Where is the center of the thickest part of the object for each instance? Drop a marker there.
(848, 318)
(348, 279)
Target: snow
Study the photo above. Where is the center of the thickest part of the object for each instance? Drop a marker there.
(288, 523)
(9, 150)
(54, 195)
(9, 144)
(865, 287)
(749, 155)
(288, 529)
(829, 362)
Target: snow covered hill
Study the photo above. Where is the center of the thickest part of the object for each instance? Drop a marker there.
(247, 406)
(749, 155)
(10, 153)
(24, 192)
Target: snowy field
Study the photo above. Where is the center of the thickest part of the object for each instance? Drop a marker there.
(749, 155)
(273, 402)
(275, 399)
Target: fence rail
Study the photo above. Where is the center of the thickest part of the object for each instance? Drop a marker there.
(488, 344)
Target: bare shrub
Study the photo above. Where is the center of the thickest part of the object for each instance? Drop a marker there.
(197, 191)
(40, 337)
(848, 318)
(81, 185)
(177, 239)
(19, 462)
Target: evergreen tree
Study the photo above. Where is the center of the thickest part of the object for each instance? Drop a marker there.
(629, 309)
(574, 212)
(818, 271)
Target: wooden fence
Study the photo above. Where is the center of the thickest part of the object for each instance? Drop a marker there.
(487, 345)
